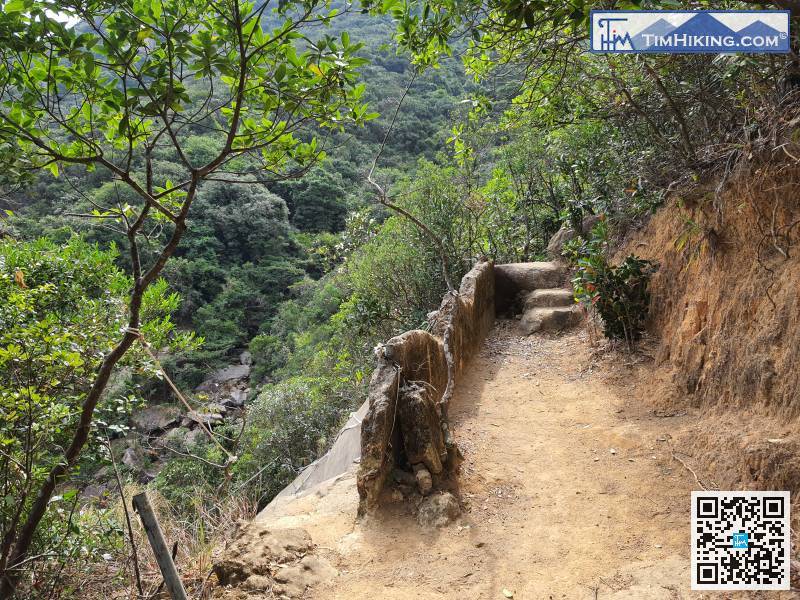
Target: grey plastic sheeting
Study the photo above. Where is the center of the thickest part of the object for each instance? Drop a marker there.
(345, 452)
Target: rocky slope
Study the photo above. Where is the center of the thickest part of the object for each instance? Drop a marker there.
(161, 431)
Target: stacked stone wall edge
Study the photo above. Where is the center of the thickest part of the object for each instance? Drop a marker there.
(435, 360)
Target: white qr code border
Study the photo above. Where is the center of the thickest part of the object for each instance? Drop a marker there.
(785, 541)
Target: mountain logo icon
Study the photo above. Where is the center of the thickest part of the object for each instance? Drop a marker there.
(660, 28)
(677, 32)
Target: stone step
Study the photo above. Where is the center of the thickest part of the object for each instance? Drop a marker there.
(556, 318)
(529, 276)
(549, 297)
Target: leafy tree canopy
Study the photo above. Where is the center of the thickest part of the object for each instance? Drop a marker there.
(108, 86)
(61, 309)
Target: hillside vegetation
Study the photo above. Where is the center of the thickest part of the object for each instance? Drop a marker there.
(282, 186)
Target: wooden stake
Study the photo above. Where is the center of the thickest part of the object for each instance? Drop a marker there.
(156, 538)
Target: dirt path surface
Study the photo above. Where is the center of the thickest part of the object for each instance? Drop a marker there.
(570, 490)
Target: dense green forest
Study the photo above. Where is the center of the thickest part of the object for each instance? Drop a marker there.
(249, 246)
(161, 183)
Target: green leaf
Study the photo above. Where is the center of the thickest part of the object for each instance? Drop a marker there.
(14, 6)
(88, 64)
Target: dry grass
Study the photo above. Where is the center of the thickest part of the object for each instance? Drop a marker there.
(112, 576)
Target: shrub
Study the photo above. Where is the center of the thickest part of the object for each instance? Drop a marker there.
(618, 293)
(61, 308)
(190, 485)
(288, 426)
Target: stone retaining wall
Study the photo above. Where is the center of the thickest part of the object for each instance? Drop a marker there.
(427, 367)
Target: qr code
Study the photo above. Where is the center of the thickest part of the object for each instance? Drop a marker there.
(740, 540)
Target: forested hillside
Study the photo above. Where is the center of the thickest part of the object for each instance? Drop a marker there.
(249, 246)
(273, 190)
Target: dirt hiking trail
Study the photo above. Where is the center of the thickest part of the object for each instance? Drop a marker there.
(570, 489)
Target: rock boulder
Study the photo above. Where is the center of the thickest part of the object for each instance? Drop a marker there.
(438, 510)
(224, 376)
(556, 244)
(420, 429)
(553, 319)
(277, 561)
(158, 417)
